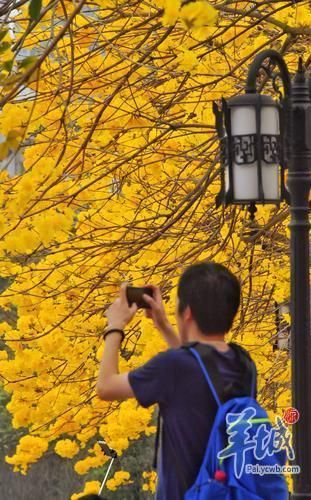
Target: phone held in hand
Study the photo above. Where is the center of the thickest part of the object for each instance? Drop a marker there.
(135, 294)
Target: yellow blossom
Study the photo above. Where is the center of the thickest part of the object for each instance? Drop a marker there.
(197, 14)
(171, 11)
(66, 448)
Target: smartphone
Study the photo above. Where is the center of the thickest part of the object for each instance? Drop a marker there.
(135, 294)
(108, 451)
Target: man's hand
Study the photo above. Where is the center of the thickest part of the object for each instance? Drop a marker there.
(119, 314)
(158, 315)
(156, 312)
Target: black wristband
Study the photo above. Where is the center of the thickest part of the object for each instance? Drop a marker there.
(111, 330)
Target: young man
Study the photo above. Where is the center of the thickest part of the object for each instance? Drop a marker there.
(208, 298)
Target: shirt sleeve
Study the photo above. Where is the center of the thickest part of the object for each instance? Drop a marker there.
(154, 381)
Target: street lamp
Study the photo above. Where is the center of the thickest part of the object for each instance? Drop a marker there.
(260, 138)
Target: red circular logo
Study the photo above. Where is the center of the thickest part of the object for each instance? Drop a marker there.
(291, 415)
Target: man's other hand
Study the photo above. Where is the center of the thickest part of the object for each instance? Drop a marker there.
(156, 312)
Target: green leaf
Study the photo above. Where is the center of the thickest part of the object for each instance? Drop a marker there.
(3, 33)
(35, 9)
(4, 46)
(27, 61)
(8, 65)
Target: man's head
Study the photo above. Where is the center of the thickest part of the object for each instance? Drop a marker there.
(92, 496)
(208, 297)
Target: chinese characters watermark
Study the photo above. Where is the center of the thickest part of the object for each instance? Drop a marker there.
(266, 441)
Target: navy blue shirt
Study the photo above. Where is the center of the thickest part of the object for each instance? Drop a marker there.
(174, 380)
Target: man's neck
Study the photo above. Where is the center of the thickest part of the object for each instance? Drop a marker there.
(217, 340)
(200, 337)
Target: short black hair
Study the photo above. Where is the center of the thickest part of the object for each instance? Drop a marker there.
(91, 496)
(213, 294)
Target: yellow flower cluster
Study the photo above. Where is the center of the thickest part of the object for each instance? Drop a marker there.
(296, 15)
(194, 16)
(29, 450)
(187, 60)
(198, 14)
(120, 478)
(96, 458)
(90, 487)
(66, 448)
(151, 480)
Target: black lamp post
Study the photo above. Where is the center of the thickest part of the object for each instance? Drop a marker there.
(260, 138)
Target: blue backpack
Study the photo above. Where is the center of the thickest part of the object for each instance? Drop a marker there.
(241, 440)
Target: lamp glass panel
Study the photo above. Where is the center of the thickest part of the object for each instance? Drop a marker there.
(245, 179)
(270, 125)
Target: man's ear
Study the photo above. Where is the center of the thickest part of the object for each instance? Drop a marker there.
(188, 314)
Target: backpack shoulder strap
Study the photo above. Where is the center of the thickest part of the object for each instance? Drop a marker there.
(246, 385)
(250, 382)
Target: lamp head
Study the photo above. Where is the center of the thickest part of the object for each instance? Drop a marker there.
(250, 130)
